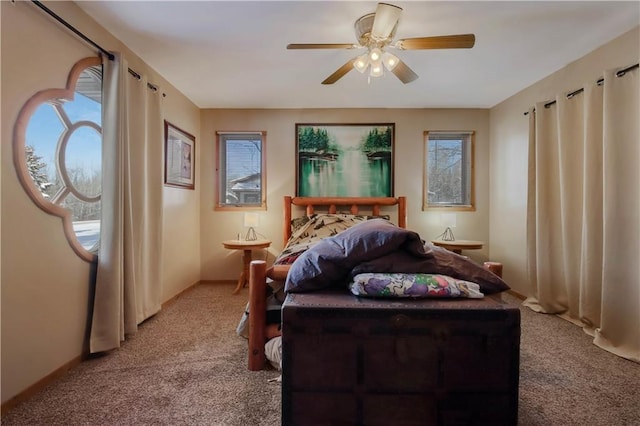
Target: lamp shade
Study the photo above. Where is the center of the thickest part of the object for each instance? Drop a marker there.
(251, 219)
(390, 61)
(361, 63)
(376, 69)
(375, 55)
(448, 220)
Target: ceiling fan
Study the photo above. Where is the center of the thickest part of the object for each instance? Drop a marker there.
(375, 32)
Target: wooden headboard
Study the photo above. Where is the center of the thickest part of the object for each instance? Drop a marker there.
(330, 205)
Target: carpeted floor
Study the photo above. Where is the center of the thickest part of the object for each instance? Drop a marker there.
(567, 380)
(186, 366)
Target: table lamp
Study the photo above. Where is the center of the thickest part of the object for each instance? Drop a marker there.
(448, 220)
(251, 220)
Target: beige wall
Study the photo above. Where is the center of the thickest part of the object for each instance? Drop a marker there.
(221, 264)
(181, 212)
(45, 286)
(509, 144)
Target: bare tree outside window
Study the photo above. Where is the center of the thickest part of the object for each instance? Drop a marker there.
(449, 170)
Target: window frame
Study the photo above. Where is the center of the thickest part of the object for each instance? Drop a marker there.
(53, 207)
(220, 173)
(467, 136)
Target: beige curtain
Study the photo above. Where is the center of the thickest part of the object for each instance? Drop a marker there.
(128, 274)
(583, 217)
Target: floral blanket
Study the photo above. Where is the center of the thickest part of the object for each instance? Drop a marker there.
(412, 285)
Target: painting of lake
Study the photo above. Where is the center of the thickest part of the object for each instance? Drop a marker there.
(344, 160)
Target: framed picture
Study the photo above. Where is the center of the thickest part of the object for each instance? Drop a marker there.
(344, 160)
(179, 157)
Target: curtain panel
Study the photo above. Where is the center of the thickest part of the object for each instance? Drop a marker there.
(128, 281)
(583, 212)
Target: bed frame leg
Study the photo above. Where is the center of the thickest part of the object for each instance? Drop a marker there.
(257, 309)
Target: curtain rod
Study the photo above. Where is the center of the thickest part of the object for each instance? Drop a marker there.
(600, 82)
(73, 29)
(88, 40)
(149, 85)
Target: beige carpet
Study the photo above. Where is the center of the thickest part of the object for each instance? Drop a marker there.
(186, 366)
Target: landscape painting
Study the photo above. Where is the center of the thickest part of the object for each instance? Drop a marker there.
(344, 160)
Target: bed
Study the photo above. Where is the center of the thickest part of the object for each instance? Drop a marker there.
(366, 207)
(363, 354)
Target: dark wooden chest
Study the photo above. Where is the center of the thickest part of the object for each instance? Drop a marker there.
(362, 361)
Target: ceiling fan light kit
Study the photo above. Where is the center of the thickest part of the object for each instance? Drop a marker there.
(375, 32)
(376, 59)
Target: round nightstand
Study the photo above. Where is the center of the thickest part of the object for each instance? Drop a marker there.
(246, 247)
(457, 246)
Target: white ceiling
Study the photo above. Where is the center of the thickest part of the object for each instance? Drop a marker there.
(232, 54)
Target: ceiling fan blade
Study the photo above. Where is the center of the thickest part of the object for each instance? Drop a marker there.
(322, 46)
(386, 19)
(460, 41)
(340, 72)
(404, 73)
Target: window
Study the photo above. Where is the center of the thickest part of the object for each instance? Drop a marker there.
(59, 154)
(241, 170)
(449, 170)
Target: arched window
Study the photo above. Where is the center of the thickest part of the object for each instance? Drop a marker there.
(58, 153)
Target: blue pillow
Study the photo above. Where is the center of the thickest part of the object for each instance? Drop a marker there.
(329, 262)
